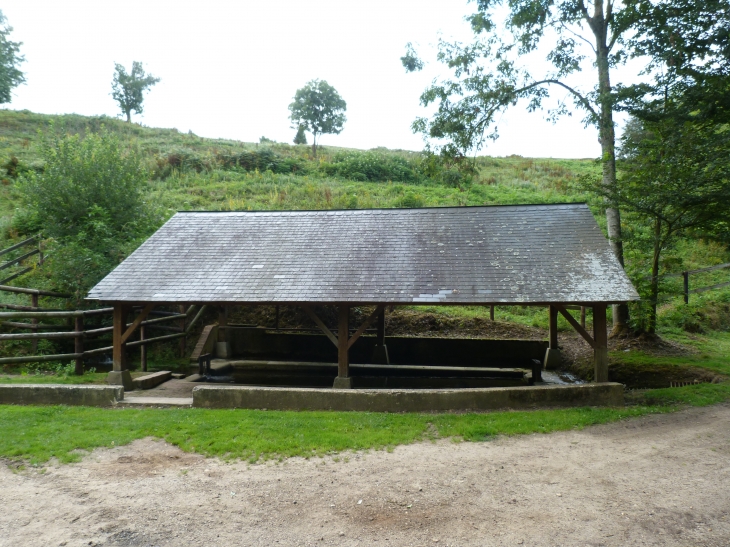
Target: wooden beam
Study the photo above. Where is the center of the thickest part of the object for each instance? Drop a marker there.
(552, 327)
(600, 350)
(576, 325)
(381, 328)
(119, 357)
(141, 317)
(365, 325)
(79, 345)
(322, 326)
(343, 353)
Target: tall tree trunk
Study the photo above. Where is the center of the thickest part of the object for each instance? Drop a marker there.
(129, 116)
(314, 145)
(607, 138)
(654, 288)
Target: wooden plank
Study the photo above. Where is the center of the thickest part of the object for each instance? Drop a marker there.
(600, 349)
(40, 335)
(18, 245)
(711, 287)
(16, 275)
(37, 358)
(26, 308)
(365, 325)
(552, 327)
(201, 343)
(322, 326)
(23, 290)
(19, 259)
(141, 317)
(576, 325)
(79, 345)
(153, 340)
(30, 326)
(343, 353)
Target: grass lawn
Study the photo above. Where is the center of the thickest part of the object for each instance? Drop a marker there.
(36, 434)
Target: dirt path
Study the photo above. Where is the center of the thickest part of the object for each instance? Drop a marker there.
(660, 480)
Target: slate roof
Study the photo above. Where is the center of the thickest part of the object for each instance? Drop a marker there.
(499, 254)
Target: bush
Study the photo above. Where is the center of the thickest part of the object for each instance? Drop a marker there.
(81, 175)
(89, 201)
(373, 166)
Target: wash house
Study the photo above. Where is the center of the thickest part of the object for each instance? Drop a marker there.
(552, 256)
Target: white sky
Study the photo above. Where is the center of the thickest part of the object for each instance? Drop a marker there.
(229, 69)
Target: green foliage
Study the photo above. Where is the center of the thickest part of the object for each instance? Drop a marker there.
(318, 108)
(675, 179)
(10, 59)
(91, 185)
(300, 137)
(128, 88)
(89, 199)
(374, 166)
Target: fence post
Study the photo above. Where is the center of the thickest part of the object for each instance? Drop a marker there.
(40, 250)
(142, 350)
(79, 344)
(491, 312)
(685, 275)
(34, 322)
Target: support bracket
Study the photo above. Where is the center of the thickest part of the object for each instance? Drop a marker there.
(580, 330)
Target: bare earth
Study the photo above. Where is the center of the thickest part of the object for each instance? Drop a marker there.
(660, 480)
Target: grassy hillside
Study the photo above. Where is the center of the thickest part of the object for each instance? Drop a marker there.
(188, 172)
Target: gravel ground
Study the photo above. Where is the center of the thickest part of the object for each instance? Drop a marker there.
(659, 480)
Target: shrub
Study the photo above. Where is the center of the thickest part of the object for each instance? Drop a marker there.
(373, 166)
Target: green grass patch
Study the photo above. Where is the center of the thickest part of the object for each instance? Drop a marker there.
(87, 378)
(37, 434)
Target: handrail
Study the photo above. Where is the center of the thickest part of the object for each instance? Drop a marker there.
(19, 245)
(38, 292)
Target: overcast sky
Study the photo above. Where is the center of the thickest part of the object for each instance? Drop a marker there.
(230, 69)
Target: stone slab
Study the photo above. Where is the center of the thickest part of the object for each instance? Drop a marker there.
(60, 394)
(158, 401)
(408, 400)
(151, 380)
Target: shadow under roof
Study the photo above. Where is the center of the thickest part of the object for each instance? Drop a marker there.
(517, 254)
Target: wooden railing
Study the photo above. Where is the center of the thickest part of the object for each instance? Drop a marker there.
(79, 333)
(36, 241)
(686, 291)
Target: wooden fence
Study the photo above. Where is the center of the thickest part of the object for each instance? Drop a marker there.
(686, 291)
(78, 332)
(35, 241)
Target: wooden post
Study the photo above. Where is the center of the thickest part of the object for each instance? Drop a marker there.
(34, 329)
(685, 275)
(600, 352)
(119, 353)
(181, 309)
(553, 327)
(343, 334)
(583, 316)
(491, 312)
(142, 350)
(381, 328)
(222, 322)
(79, 345)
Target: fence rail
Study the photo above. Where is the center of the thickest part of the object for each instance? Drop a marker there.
(77, 332)
(35, 240)
(686, 291)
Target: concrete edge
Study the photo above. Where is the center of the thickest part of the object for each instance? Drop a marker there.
(408, 400)
(60, 394)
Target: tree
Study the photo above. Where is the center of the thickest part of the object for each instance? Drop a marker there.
(674, 179)
(10, 59)
(319, 109)
(89, 200)
(128, 89)
(490, 75)
(300, 137)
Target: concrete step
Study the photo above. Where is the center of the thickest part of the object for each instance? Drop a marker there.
(157, 401)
